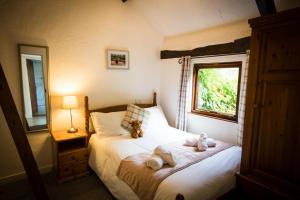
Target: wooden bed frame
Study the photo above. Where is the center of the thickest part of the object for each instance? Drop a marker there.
(115, 108)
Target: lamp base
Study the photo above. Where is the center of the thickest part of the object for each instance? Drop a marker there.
(72, 130)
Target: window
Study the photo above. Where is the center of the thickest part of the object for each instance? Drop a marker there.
(216, 89)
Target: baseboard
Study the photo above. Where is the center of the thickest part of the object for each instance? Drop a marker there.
(22, 175)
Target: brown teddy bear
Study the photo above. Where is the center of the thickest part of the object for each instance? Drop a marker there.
(136, 129)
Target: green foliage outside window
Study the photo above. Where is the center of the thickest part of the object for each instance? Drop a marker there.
(217, 89)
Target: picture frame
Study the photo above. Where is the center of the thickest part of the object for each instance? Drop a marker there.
(117, 59)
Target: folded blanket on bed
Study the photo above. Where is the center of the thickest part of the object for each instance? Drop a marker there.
(210, 142)
(202, 144)
(166, 154)
(144, 181)
(191, 141)
(155, 162)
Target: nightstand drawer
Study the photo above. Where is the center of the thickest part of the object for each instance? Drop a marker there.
(72, 169)
(73, 157)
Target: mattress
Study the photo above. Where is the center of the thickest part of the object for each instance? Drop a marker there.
(205, 180)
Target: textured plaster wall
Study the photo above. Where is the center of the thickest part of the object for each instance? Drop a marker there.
(216, 35)
(77, 33)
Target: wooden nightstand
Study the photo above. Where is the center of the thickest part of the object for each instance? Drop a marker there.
(70, 155)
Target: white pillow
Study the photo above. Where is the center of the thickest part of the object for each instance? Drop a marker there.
(108, 123)
(157, 118)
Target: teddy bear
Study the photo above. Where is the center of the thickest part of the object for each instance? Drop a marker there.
(136, 129)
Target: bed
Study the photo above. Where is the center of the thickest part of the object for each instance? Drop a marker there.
(207, 179)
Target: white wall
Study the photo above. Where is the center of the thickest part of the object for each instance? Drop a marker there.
(77, 33)
(171, 72)
(215, 128)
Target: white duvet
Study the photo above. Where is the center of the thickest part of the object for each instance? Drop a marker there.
(207, 179)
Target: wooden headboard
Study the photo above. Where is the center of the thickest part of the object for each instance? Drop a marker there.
(115, 108)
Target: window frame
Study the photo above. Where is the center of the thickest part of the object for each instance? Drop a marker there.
(213, 114)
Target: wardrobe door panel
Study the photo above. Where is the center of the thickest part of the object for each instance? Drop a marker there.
(270, 167)
(278, 137)
(282, 53)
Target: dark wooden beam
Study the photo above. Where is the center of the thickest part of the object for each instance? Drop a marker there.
(238, 46)
(266, 7)
(18, 134)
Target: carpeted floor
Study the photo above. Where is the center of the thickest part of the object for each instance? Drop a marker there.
(89, 187)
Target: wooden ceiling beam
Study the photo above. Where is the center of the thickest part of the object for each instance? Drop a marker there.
(238, 46)
(266, 7)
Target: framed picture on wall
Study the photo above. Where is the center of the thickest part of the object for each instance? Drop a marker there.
(117, 59)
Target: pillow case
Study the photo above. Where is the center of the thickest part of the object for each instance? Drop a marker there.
(157, 118)
(135, 113)
(108, 123)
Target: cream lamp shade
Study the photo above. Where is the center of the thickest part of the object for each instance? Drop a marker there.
(70, 102)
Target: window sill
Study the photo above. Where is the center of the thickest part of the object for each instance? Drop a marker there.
(214, 117)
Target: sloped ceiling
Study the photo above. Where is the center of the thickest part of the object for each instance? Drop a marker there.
(173, 17)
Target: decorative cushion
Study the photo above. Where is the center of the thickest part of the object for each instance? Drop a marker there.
(135, 113)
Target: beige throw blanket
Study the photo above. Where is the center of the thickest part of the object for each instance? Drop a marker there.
(145, 181)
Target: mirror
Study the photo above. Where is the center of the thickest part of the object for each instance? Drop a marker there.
(34, 76)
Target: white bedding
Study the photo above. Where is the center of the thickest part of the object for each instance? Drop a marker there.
(207, 179)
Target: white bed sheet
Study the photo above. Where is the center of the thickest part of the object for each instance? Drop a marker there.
(205, 180)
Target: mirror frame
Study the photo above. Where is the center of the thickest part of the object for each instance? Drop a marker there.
(46, 85)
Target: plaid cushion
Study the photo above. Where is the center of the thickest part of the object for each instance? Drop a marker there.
(135, 113)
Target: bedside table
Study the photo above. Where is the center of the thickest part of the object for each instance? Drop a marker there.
(70, 155)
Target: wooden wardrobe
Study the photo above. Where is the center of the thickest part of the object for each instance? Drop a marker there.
(270, 167)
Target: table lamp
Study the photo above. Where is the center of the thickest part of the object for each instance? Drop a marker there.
(70, 102)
